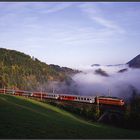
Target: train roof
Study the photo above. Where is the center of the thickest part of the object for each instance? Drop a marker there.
(109, 97)
(72, 95)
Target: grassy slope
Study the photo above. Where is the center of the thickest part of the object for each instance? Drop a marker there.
(26, 118)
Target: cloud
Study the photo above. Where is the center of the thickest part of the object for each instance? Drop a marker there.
(38, 6)
(96, 14)
(120, 84)
(58, 7)
(108, 24)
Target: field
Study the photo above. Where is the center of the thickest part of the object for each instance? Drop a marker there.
(26, 118)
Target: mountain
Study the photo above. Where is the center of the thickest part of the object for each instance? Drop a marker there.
(95, 65)
(101, 72)
(135, 62)
(115, 65)
(122, 70)
(64, 69)
(21, 71)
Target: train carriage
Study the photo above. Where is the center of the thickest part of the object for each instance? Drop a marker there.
(52, 96)
(67, 97)
(3, 91)
(77, 98)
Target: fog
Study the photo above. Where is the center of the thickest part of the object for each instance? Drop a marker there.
(118, 84)
(89, 82)
(57, 87)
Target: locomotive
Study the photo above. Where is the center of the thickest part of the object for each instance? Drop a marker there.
(77, 98)
(109, 100)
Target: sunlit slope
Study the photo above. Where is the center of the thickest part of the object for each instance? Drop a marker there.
(26, 118)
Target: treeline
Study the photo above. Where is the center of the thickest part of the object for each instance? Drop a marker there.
(87, 111)
(132, 113)
(21, 71)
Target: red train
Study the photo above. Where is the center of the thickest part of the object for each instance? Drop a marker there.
(2, 91)
(109, 100)
(87, 99)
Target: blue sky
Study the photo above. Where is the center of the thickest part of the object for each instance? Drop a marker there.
(72, 34)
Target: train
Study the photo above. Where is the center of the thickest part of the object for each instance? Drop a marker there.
(101, 100)
(110, 100)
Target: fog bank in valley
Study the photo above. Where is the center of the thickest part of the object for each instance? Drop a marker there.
(119, 84)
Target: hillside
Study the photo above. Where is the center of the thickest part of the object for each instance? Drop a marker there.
(135, 62)
(27, 118)
(18, 70)
(101, 72)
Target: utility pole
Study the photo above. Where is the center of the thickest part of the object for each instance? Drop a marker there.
(41, 93)
(97, 100)
(109, 92)
(97, 107)
(53, 89)
(4, 89)
(13, 92)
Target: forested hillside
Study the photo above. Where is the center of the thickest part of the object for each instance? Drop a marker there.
(18, 70)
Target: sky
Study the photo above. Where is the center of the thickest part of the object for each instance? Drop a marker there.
(72, 34)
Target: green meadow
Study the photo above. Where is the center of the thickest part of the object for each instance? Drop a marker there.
(26, 118)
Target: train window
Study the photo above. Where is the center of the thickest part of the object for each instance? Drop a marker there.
(88, 99)
(84, 98)
(81, 98)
